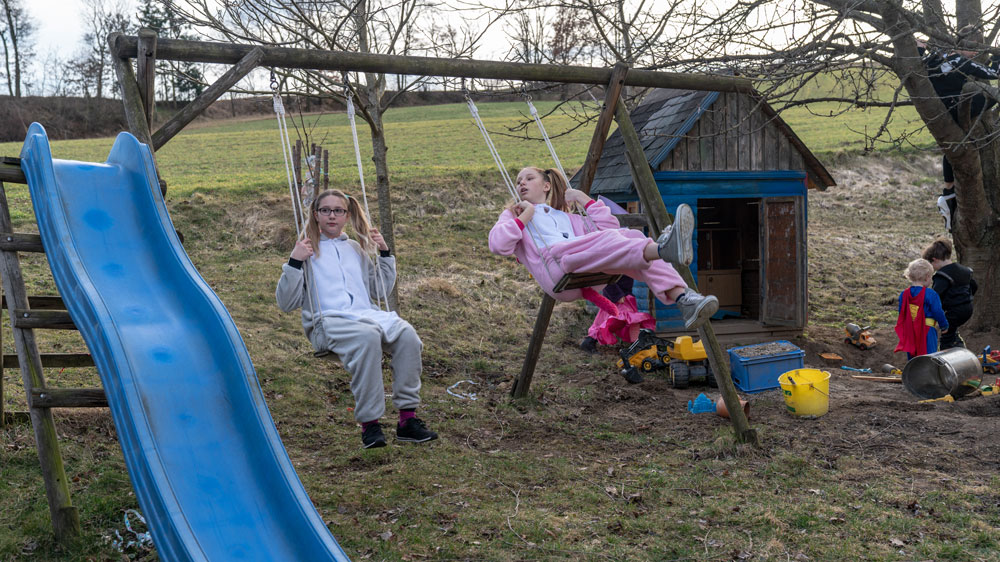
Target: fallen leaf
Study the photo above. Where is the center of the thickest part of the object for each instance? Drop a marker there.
(896, 542)
(611, 490)
(386, 535)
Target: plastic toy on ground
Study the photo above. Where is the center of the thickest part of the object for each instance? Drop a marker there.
(685, 359)
(645, 355)
(859, 337)
(210, 473)
(688, 361)
(990, 360)
(701, 405)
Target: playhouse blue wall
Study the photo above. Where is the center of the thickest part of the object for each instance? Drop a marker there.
(688, 187)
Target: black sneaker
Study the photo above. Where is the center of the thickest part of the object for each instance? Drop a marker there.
(414, 431)
(589, 345)
(372, 438)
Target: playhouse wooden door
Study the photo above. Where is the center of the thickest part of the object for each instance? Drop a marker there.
(783, 261)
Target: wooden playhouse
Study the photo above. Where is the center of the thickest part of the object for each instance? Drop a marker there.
(746, 175)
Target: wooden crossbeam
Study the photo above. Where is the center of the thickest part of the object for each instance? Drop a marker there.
(126, 46)
(212, 93)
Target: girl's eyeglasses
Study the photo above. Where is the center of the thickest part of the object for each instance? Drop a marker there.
(327, 211)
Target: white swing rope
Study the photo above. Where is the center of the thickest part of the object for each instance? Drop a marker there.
(547, 253)
(589, 222)
(298, 211)
(380, 290)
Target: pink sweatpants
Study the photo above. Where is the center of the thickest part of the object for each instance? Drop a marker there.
(606, 251)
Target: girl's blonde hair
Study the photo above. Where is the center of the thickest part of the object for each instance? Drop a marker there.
(558, 184)
(919, 271)
(359, 221)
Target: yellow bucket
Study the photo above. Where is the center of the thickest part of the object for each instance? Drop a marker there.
(807, 392)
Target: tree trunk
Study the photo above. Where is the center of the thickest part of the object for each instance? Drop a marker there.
(379, 156)
(17, 54)
(977, 237)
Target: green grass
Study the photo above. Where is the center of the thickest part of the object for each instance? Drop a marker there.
(586, 468)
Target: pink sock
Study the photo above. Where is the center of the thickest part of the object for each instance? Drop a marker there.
(405, 415)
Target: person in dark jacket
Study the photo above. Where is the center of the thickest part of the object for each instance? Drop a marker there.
(948, 71)
(953, 282)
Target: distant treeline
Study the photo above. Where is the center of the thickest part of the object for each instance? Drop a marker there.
(77, 118)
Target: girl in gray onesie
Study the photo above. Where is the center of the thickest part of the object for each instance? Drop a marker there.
(338, 314)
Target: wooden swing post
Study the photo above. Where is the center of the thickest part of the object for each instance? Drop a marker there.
(659, 218)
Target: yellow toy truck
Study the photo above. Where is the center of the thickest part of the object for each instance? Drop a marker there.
(686, 360)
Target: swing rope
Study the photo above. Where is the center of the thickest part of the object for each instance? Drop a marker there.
(297, 210)
(380, 289)
(588, 222)
(547, 253)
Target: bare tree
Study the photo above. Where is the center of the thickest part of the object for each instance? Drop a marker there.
(366, 26)
(866, 46)
(91, 69)
(17, 37)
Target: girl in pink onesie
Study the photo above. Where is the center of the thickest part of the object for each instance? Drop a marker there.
(551, 242)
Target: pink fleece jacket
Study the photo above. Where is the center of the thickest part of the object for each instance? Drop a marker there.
(608, 250)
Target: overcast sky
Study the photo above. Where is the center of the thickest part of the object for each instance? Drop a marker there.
(58, 25)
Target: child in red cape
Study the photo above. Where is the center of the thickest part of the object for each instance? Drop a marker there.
(920, 312)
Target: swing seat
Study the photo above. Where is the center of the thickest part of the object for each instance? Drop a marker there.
(581, 280)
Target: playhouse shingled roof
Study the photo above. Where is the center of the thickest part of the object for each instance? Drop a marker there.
(661, 120)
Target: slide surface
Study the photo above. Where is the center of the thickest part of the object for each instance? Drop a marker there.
(212, 478)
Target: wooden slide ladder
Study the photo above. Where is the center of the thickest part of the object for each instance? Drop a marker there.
(28, 313)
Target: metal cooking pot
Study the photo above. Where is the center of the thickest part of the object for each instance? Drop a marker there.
(942, 373)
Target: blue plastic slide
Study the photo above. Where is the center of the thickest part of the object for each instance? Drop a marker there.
(209, 470)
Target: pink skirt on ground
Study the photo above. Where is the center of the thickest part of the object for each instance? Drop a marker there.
(608, 329)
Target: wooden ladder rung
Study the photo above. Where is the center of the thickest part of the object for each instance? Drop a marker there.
(16, 417)
(10, 170)
(52, 360)
(68, 398)
(21, 242)
(41, 302)
(25, 319)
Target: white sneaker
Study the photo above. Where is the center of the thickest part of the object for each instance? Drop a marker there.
(674, 244)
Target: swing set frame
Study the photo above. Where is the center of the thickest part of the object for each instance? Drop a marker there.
(137, 88)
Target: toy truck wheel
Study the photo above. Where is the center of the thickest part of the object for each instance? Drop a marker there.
(680, 375)
(862, 347)
(847, 341)
(710, 378)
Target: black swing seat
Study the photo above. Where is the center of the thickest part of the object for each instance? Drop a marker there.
(581, 280)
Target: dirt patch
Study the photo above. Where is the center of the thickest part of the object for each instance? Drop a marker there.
(861, 235)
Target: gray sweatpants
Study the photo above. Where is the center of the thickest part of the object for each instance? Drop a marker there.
(359, 346)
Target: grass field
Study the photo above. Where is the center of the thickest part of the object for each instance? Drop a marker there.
(587, 468)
